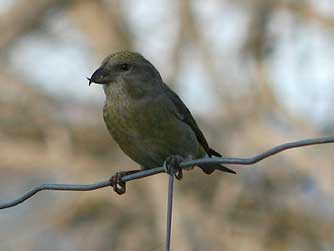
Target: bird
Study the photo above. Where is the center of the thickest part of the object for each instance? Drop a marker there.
(147, 119)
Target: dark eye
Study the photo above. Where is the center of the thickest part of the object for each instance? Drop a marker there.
(125, 67)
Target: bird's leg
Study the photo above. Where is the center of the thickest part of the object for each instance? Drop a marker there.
(172, 163)
(118, 185)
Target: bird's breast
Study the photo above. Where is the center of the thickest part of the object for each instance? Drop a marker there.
(134, 118)
(147, 130)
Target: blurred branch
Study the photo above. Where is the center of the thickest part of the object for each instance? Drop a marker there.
(104, 25)
(308, 13)
(106, 31)
(181, 40)
(259, 43)
(24, 16)
(153, 171)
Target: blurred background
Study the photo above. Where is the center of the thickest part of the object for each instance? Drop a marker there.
(255, 74)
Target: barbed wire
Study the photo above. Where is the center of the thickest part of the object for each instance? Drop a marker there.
(149, 172)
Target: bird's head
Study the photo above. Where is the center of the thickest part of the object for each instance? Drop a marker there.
(128, 68)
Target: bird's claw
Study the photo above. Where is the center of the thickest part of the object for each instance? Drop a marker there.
(118, 185)
(172, 164)
(179, 174)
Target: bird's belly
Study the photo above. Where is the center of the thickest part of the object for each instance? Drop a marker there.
(149, 137)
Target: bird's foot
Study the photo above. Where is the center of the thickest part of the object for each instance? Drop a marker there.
(118, 185)
(172, 165)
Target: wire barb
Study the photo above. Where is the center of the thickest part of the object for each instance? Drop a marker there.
(149, 172)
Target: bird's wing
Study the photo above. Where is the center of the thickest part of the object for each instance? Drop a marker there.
(185, 115)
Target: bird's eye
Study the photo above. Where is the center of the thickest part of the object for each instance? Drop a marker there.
(125, 67)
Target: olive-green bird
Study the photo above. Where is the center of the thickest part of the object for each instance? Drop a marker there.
(146, 118)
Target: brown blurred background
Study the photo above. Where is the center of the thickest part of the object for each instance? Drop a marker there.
(255, 73)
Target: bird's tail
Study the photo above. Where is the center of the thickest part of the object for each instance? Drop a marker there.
(210, 168)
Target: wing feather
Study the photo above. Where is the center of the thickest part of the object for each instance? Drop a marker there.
(185, 115)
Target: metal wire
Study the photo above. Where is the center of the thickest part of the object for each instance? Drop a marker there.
(169, 210)
(153, 171)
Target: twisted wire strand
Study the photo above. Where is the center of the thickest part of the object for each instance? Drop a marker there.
(149, 172)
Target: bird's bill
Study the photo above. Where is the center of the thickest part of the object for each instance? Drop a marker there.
(100, 76)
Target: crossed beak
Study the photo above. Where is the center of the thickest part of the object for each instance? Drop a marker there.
(100, 76)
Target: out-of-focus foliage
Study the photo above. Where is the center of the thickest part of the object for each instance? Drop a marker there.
(256, 73)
